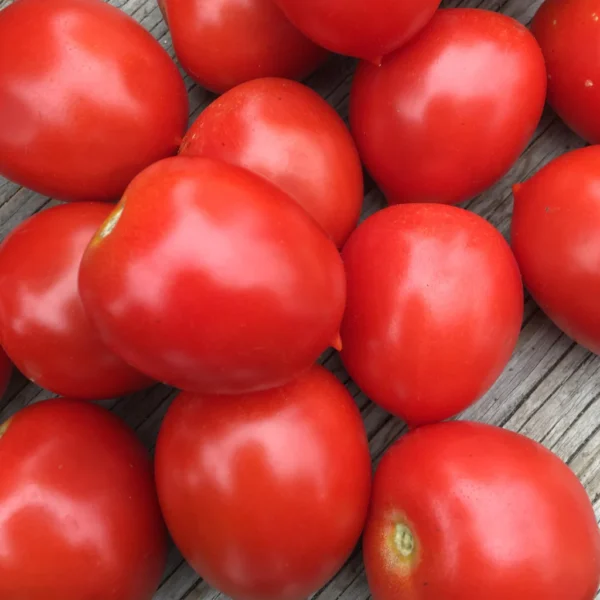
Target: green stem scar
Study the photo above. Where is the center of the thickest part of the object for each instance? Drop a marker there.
(404, 540)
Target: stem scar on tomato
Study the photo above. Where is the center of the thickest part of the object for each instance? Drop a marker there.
(402, 546)
(110, 223)
(4, 427)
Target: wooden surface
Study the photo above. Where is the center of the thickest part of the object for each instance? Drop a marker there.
(549, 391)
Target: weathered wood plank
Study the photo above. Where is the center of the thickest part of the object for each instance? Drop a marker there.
(548, 391)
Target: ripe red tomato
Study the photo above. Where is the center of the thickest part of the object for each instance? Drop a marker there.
(438, 121)
(87, 106)
(43, 326)
(226, 276)
(356, 28)
(222, 43)
(5, 371)
(79, 518)
(434, 310)
(569, 35)
(555, 239)
(287, 133)
(266, 494)
(468, 511)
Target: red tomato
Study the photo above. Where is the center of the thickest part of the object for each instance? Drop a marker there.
(266, 494)
(211, 279)
(465, 511)
(79, 518)
(555, 239)
(358, 28)
(569, 35)
(43, 326)
(222, 43)
(438, 122)
(287, 133)
(87, 106)
(5, 371)
(435, 304)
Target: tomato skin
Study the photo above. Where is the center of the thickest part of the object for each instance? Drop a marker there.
(434, 309)
(287, 133)
(357, 29)
(569, 36)
(493, 515)
(246, 289)
(555, 240)
(89, 105)
(5, 371)
(256, 489)
(438, 122)
(77, 489)
(222, 43)
(43, 326)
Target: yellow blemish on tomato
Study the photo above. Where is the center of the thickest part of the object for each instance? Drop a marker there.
(109, 224)
(4, 427)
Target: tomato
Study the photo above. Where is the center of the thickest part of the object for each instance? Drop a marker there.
(43, 326)
(87, 106)
(266, 494)
(209, 278)
(222, 43)
(5, 371)
(353, 27)
(438, 121)
(569, 35)
(434, 309)
(555, 240)
(469, 511)
(287, 133)
(79, 517)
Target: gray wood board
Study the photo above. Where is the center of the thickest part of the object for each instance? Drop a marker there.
(549, 391)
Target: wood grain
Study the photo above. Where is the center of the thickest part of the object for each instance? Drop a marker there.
(549, 391)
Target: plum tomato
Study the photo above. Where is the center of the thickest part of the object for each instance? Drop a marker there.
(222, 43)
(569, 35)
(211, 279)
(469, 511)
(434, 309)
(555, 240)
(43, 326)
(266, 494)
(357, 28)
(5, 371)
(80, 519)
(287, 133)
(87, 106)
(438, 121)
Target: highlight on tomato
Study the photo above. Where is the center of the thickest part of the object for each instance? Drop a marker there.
(466, 510)
(438, 120)
(209, 278)
(287, 133)
(554, 237)
(80, 519)
(90, 104)
(434, 309)
(43, 325)
(279, 479)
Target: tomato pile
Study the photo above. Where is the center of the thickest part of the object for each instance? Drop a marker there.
(224, 257)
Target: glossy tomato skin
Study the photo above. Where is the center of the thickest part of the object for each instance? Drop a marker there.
(287, 133)
(434, 309)
(569, 35)
(266, 494)
(43, 326)
(81, 520)
(438, 121)
(5, 371)
(554, 237)
(222, 43)
(89, 105)
(233, 281)
(468, 511)
(356, 28)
